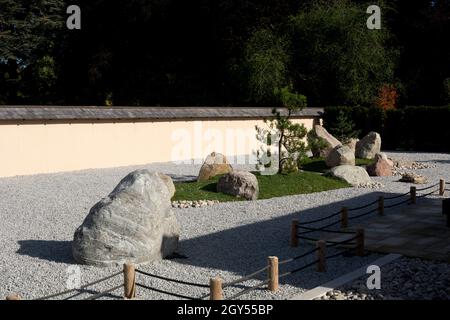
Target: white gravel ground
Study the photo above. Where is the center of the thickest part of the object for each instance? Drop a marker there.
(39, 213)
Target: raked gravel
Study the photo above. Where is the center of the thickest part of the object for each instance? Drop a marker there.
(39, 214)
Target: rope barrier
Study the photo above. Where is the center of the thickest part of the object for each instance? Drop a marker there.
(165, 292)
(245, 278)
(336, 254)
(104, 293)
(298, 257)
(336, 243)
(397, 204)
(80, 288)
(248, 290)
(426, 194)
(321, 219)
(324, 230)
(363, 207)
(429, 187)
(173, 280)
(318, 229)
(398, 196)
(363, 214)
(298, 269)
(332, 243)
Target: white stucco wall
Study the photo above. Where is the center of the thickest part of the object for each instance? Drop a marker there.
(32, 148)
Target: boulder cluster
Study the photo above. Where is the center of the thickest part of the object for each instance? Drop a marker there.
(238, 183)
(340, 157)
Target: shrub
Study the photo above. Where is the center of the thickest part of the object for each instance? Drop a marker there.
(419, 128)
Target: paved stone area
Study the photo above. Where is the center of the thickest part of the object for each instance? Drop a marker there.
(417, 230)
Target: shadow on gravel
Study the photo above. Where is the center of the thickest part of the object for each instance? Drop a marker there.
(244, 249)
(54, 251)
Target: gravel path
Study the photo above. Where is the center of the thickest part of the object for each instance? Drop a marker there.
(39, 214)
(406, 278)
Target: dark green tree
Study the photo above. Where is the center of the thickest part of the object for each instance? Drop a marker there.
(335, 57)
(343, 128)
(290, 136)
(29, 34)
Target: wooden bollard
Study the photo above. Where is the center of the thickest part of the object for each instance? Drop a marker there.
(215, 289)
(360, 242)
(381, 205)
(321, 253)
(344, 217)
(441, 187)
(412, 192)
(446, 210)
(129, 281)
(13, 296)
(273, 273)
(294, 231)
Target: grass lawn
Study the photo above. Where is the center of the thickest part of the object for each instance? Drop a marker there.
(318, 164)
(269, 186)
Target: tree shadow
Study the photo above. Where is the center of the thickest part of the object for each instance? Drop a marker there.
(243, 249)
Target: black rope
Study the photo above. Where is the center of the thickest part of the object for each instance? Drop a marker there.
(249, 289)
(332, 243)
(324, 230)
(165, 292)
(319, 229)
(397, 204)
(395, 197)
(80, 288)
(426, 194)
(363, 207)
(337, 254)
(336, 243)
(298, 257)
(298, 269)
(173, 280)
(363, 214)
(245, 278)
(321, 219)
(429, 187)
(104, 293)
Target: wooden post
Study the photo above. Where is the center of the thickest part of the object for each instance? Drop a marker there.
(412, 192)
(273, 273)
(13, 296)
(381, 205)
(215, 289)
(360, 242)
(321, 253)
(344, 217)
(446, 210)
(294, 231)
(441, 187)
(129, 281)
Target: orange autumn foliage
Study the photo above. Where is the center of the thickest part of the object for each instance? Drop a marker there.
(387, 97)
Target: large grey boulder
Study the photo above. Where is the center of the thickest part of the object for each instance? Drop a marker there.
(241, 184)
(134, 223)
(330, 141)
(352, 174)
(215, 164)
(340, 155)
(369, 146)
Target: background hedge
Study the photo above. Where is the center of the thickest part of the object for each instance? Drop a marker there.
(419, 128)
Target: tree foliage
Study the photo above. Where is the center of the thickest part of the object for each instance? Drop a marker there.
(230, 52)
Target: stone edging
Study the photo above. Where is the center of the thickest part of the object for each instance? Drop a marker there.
(338, 282)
